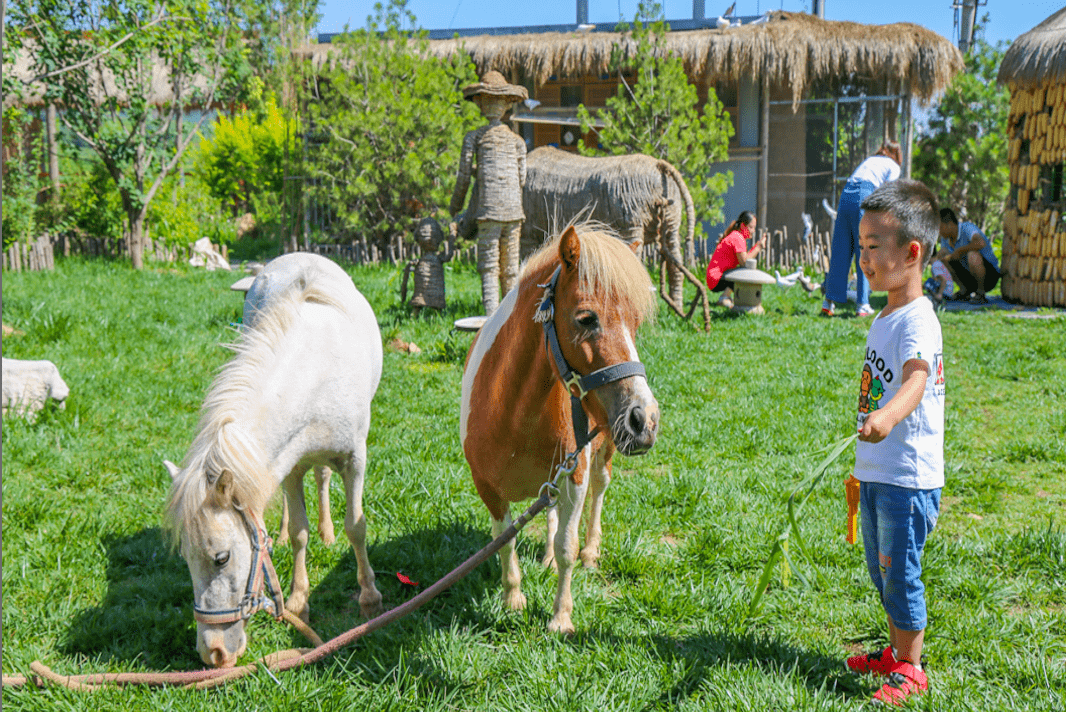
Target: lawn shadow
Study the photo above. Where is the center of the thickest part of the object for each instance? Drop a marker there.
(146, 611)
(706, 652)
(423, 556)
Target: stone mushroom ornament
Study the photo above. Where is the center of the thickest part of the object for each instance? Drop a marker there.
(500, 158)
(748, 283)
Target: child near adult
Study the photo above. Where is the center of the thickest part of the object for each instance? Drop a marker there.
(940, 286)
(732, 252)
(899, 459)
(968, 256)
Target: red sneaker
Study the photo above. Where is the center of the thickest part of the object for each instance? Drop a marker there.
(904, 680)
(877, 662)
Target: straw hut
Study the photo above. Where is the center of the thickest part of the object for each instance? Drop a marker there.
(1034, 242)
(788, 80)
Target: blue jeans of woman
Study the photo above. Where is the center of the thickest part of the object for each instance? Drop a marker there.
(846, 245)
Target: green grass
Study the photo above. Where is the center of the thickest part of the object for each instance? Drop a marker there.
(89, 584)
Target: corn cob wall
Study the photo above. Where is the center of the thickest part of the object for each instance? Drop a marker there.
(1034, 243)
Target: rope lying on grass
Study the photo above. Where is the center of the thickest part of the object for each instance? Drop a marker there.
(284, 659)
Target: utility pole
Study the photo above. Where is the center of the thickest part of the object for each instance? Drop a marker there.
(969, 12)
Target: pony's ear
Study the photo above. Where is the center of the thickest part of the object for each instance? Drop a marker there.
(224, 489)
(172, 469)
(570, 248)
(635, 246)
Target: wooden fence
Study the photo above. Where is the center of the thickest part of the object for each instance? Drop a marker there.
(780, 253)
(32, 256)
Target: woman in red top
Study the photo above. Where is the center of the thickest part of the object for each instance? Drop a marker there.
(732, 252)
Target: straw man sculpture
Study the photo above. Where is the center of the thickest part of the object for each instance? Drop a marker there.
(501, 173)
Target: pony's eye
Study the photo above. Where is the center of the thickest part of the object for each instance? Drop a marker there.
(221, 558)
(588, 320)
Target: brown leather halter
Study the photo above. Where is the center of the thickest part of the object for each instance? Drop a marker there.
(262, 576)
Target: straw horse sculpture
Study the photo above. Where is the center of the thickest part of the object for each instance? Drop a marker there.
(296, 394)
(636, 195)
(584, 294)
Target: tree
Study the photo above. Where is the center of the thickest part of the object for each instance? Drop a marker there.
(655, 112)
(100, 60)
(962, 154)
(386, 122)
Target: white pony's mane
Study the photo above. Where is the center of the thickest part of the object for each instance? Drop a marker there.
(222, 443)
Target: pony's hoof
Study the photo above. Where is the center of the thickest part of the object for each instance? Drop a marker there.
(561, 625)
(514, 600)
(371, 606)
(590, 559)
(548, 562)
(326, 534)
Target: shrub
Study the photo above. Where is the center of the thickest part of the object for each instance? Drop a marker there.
(21, 182)
(244, 158)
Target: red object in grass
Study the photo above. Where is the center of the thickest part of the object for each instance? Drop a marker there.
(406, 581)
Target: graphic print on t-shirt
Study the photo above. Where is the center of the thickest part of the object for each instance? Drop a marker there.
(871, 389)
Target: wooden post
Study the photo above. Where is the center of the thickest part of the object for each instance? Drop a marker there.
(764, 156)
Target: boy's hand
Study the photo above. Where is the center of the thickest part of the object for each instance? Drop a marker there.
(876, 427)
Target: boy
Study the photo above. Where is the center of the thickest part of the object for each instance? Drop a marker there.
(899, 459)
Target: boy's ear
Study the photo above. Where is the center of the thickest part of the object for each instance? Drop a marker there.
(914, 250)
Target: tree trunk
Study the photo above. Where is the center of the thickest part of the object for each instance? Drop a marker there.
(136, 245)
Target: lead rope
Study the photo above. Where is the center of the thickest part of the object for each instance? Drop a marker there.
(288, 659)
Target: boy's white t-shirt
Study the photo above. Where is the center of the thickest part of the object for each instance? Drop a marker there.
(913, 453)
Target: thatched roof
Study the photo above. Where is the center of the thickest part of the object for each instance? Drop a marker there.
(796, 49)
(1037, 57)
(102, 86)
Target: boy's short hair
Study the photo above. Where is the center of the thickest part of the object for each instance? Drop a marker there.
(915, 208)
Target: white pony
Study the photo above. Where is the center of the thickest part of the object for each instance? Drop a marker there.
(296, 395)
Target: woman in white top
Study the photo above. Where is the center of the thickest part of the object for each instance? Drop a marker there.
(871, 174)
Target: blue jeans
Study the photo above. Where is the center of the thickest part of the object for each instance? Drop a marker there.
(846, 245)
(895, 523)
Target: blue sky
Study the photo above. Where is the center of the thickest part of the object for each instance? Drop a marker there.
(1008, 18)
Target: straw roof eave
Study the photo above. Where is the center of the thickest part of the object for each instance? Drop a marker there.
(794, 49)
(1037, 57)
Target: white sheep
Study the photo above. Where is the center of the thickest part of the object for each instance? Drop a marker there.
(27, 385)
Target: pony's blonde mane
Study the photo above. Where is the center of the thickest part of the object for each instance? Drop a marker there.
(607, 264)
(222, 442)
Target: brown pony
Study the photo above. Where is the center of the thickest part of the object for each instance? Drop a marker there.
(517, 420)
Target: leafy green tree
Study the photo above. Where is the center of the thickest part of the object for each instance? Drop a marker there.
(386, 122)
(962, 154)
(202, 48)
(656, 112)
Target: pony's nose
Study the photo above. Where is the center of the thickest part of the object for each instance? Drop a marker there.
(637, 419)
(219, 658)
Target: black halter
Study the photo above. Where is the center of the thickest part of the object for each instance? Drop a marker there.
(578, 385)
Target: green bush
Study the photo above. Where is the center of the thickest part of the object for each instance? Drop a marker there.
(244, 158)
(90, 202)
(20, 183)
(184, 211)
